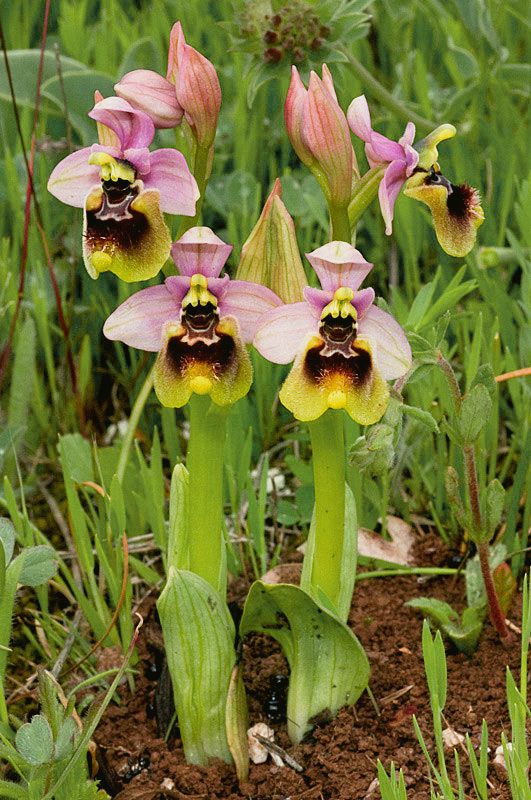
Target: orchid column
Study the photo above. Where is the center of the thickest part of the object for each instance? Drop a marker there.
(198, 323)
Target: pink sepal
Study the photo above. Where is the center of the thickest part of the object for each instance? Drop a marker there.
(199, 250)
(73, 178)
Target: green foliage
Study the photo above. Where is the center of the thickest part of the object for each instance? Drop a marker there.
(328, 666)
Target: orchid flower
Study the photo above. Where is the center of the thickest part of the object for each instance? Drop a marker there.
(401, 157)
(456, 209)
(197, 322)
(344, 347)
(123, 189)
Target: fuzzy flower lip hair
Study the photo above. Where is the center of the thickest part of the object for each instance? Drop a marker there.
(123, 189)
(197, 322)
(344, 347)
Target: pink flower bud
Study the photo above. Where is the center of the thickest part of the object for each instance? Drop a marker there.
(149, 92)
(196, 86)
(319, 133)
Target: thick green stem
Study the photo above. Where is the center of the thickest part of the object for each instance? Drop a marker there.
(364, 193)
(328, 452)
(132, 425)
(202, 168)
(205, 507)
(340, 223)
(373, 87)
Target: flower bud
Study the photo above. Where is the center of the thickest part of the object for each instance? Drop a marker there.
(270, 255)
(319, 133)
(150, 92)
(196, 86)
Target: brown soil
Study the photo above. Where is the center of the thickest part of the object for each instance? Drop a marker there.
(339, 757)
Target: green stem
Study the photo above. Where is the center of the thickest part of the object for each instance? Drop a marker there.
(374, 87)
(205, 509)
(340, 223)
(390, 573)
(328, 452)
(364, 193)
(132, 425)
(202, 168)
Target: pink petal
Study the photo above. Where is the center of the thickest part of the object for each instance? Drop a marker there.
(198, 91)
(408, 137)
(199, 250)
(169, 174)
(385, 149)
(363, 300)
(248, 302)
(317, 299)
(329, 82)
(73, 178)
(388, 191)
(325, 133)
(133, 128)
(139, 321)
(359, 118)
(391, 348)
(285, 332)
(339, 264)
(293, 110)
(148, 91)
(140, 158)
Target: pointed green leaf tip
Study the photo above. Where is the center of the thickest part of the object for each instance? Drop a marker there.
(328, 666)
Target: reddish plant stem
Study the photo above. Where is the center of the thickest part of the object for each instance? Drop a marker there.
(497, 617)
(31, 194)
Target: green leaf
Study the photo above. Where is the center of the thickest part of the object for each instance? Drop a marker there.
(143, 54)
(463, 632)
(474, 413)
(349, 557)
(199, 640)
(64, 744)
(39, 565)
(237, 722)
(7, 538)
(485, 376)
(34, 741)
(505, 585)
(475, 588)
(24, 66)
(22, 376)
(419, 306)
(76, 457)
(421, 416)
(440, 612)
(178, 529)
(495, 502)
(328, 666)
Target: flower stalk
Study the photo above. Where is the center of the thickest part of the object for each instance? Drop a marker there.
(339, 217)
(205, 467)
(328, 450)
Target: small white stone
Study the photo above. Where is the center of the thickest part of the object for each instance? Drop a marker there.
(452, 738)
(257, 752)
(167, 785)
(499, 756)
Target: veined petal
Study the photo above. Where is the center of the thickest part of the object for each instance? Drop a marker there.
(221, 369)
(133, 128)
(359, 118)
(339, 264)
(317, 299)
(199, 250)
(285, 332)
(318, 382)
(139, 157)
(140, 320)
(293, 113)
(198, 91)
(73, 178)
(134, 245)
(389, 343)
(363, 299)
(149, 92)
(169, 173)
(248, 302)
(325, 133)
(385, 149)
(389, 190)
(106, 137)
